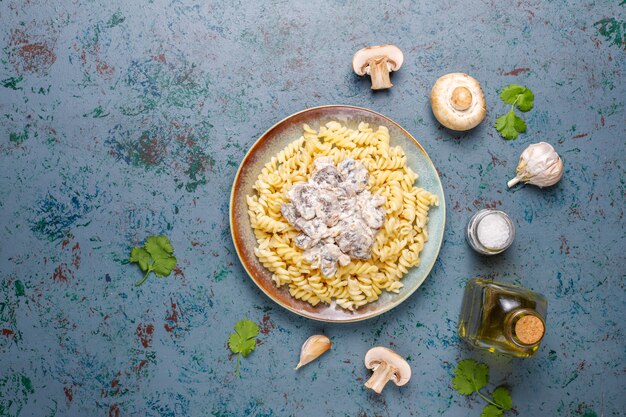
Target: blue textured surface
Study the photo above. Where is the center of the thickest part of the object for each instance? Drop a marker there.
(125, 119)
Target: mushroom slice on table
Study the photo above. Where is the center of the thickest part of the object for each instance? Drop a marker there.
(378, 62)
(387, 366)
(458, 102)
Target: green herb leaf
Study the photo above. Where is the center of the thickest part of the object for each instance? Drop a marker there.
(159, 247)
(502, 397)
(243, 341)
(470, 376)
(518, 95)
(525, 100)
(510, 125)
(506, 126)
(240, 345)
(520, 124)
(491, 411)
(247, 328)
(155, 256)
(510, 92)
(140, 256)
(162, 267)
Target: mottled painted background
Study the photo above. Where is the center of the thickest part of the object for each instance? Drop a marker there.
(125, 119)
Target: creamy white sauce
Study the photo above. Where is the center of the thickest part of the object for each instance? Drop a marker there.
(337, 216)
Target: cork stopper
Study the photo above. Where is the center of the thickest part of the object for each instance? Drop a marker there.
(529, 330)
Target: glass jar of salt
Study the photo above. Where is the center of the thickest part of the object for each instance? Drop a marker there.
(490, 231)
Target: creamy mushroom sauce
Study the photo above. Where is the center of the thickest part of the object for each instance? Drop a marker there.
(337, 216)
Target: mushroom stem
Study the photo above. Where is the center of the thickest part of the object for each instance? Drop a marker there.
(382, 374)
(379, 72)
(461, 98)
(513, 182)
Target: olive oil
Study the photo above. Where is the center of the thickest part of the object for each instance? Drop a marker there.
(502, 317)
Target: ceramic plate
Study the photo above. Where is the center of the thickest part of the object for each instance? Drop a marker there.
(290, 129)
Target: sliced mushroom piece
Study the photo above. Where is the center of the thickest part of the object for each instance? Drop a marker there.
(316, 229)
(289, 212)
(329, 208)
(458, 102)
(378, 200)
(346, 166)
(327, 177)
(305, 242)
(373, 216)
(355, 239)
(303, 198)
(378, 62)
(343, 260)
(355, 175)
(312, 256)
(329, 255)
(387, 366)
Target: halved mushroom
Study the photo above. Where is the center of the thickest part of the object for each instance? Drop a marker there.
(378, 62)
(458, 101)
(387, 366)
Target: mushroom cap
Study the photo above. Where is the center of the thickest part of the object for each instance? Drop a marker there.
(458, 102)
(360, 61)
(379, 354)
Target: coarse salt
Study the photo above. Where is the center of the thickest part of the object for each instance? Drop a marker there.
(493, 231)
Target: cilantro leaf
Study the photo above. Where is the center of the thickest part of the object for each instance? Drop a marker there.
(159, 247)
(470, 376)
(141, 256)
(510, 93)
(155, 256)
(240, 345)
(525, 100)
(247, 328)
(519, 95)
(162, 267)
(510, 125)
(519, 124)
(505, 125)
(243, 341)
(502, 397)
(491, 411)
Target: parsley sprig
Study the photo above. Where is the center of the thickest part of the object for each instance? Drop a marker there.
(243, 341)
(511, 125)
(470, 376)
(155, 256)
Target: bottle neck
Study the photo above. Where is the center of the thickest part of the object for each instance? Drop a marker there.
(525, 327)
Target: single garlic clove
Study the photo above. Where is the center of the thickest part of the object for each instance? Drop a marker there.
(314, 347)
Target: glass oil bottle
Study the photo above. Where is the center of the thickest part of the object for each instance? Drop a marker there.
(502, 317)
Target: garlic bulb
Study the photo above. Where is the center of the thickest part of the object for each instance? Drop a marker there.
(539, 165)
(313, 348)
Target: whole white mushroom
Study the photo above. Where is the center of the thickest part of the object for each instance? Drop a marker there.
(458, 102)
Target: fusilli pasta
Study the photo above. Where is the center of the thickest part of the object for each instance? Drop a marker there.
(398, 243)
